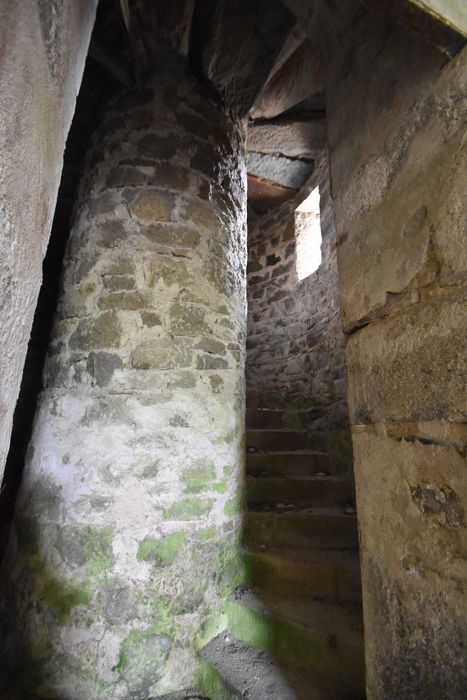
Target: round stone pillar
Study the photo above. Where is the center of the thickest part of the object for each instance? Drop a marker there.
(126, 536)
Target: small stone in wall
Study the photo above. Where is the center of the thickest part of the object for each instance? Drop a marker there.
(165, 146)
(187, 320)
(211, 346)
(153, 206)
(162, 354)
(216, 383)
(150, 319)
(118, 283)
(103, 331)
(209, 362)
(102, 365)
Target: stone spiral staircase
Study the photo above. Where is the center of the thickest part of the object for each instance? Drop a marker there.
(295, 630)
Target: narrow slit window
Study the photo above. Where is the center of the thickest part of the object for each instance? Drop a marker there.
(308, 235)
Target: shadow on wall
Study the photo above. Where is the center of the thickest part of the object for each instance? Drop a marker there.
(95, 90)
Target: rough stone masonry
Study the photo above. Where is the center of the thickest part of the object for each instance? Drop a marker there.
(126, 534)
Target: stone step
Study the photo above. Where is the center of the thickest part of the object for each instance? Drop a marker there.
(335, 443)
(291, 464)
(288, 571)
(260, 418)
(317, 528)
(182, 695)
(232, 669)
(302, 634)
(300, 491)
(277, 440)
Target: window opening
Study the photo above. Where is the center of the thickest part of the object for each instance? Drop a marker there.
(308, 235)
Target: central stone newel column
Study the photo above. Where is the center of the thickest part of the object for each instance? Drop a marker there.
(126, 536)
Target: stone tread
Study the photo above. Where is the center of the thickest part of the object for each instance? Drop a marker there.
(322, 528)
(319, 510)
(319, 574)
(246, 671)
(323, 617)
(316, 477)
(277, 430)
(286, 463)
(182, 695)
(252, 674)
(312, 489)
(313, 453)
(317, 556)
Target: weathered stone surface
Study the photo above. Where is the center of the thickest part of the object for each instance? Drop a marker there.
(413, 542)
(397, 142)
(45, 44)
(295, 346)
(118, 283)
(412, 366)
(156, 206)
(102, 365)
(236, 61)
(294, 139)
(397, 188)
(286, 172)
(150, 319)
(172, 236)
(300, 77)
(187, 319)
(201, 214)
(102, 331)
(131, 440)
(166, 271)
(161, 354)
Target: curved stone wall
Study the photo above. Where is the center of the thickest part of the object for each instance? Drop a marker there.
(126, 534)
(295, 343)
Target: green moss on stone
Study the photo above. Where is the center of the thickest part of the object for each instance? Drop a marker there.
(207, 534)
(221, 486)
(188, 509)
(61, 596)
(147, 549)
(197, 477)
(85, 546)
(225, 436)
(211, 682)
(98, 550)
(250, 625)
(162, 551)
(142, 655)
(234, 505)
